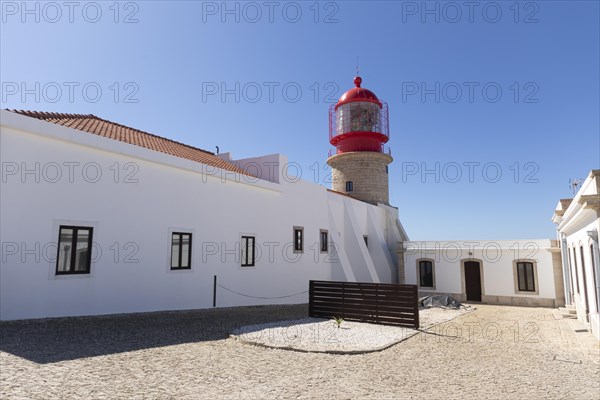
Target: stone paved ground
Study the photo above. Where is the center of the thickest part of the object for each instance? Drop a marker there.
(494, 352)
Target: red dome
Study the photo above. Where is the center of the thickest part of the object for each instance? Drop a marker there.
(358, 94)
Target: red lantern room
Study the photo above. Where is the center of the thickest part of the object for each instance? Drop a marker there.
(359, 121)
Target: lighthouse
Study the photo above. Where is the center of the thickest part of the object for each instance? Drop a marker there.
(359, 129)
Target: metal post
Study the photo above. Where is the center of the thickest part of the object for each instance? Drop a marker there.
(215, 291)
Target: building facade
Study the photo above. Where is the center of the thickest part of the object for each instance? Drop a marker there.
(98, 218)
(506, 272)
(578, 222)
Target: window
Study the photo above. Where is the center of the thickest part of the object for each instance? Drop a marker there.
(324, 241)
(426, 273)
(594, 271)
(349, 186)
(366, 239)
(525, 277)
(298, 239)
(570, 267)
(575, 269)
(358, 116)
(248, 252)
(181, 250)
(585, 288)
(74, 250)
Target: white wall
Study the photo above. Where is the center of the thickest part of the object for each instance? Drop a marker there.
(133, 216)
(496, 259)
(272, 167)
(575, 241)
(574, 225)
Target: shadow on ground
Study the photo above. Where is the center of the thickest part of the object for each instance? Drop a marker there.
(59, 339)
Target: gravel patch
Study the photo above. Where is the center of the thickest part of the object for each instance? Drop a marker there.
(494, 352)
(324, 336)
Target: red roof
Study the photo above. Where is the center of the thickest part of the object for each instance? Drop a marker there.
(91, 124)
(358, 94)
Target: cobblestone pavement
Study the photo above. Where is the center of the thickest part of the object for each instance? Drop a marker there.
(494, 352)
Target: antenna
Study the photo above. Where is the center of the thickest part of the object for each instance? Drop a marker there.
(574, 184)
(357, 69)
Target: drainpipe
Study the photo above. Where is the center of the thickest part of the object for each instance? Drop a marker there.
(596, 255)
(566, 269)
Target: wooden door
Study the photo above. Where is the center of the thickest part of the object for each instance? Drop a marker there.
(473, 280)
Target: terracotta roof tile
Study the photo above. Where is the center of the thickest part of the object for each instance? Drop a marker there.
(101, 127)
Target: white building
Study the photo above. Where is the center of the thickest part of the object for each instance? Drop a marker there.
(99, 218)
(154, 222)
(578, 223)
(508, 272)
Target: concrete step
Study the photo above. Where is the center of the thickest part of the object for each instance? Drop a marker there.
(566, 313)
(569, 309)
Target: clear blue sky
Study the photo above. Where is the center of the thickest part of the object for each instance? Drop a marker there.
(171, 57)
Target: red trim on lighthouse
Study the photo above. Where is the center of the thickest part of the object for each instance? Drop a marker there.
(358, 94)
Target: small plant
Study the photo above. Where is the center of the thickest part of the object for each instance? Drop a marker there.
(338, 321)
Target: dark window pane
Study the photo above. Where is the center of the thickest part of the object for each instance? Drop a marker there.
(174, 250)
(185, 251)
(576, 270)
(244, 251)
(251, 251)
(426, 273)
(64, 249)
(74, 250)
(181, 250)
(247, 251)
(324, 241)
(594, 270)
(525, 278)
(298, 245)
(521, 276)
(81, 255)
(529, 271)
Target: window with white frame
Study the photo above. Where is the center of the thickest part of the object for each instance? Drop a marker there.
(324, 241)
(525, 276)
(298, 239)
(181, 250)
(248, 251)
(575, 269)
(594, 271)
(74, 250)
(425, 271)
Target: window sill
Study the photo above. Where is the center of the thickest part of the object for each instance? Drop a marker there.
(72, 273)
(79, 275)
(527, 293)
(176, 270)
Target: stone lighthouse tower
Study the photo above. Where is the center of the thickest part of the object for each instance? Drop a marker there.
(359, 128)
